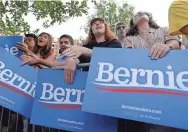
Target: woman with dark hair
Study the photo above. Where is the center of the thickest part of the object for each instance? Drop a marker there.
(100, 35)
(144, 33)
(133, 30)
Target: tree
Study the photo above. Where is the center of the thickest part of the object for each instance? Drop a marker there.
(111, 12)
(12, 13)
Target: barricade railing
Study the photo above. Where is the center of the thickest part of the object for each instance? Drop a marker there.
(13, 122)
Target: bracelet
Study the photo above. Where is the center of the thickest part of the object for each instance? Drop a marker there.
(170, 47)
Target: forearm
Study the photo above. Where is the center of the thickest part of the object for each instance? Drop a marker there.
(86, 52)
(77, 61)
(51, 63)
(174, 44)
(42, 66)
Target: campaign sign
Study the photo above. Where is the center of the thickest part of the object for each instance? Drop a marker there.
(131, 85)
(17, 84)
(58, 105)
(9, 44)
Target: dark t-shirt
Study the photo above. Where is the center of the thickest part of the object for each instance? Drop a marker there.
(106, 44)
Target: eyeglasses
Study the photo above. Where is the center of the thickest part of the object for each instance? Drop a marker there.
(121, 27)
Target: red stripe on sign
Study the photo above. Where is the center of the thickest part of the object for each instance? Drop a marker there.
(133, 90)
(62, 106)
(16, 90)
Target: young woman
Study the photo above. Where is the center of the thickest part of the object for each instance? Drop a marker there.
(144, 33)
(178, 20)
(100, 35)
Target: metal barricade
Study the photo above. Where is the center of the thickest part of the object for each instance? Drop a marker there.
(13, 122)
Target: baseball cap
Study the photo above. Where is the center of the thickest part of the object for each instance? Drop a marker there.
(33, 36)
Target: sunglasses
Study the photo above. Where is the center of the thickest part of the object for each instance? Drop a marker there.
(121, 27)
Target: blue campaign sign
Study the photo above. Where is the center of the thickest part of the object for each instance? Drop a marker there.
(131, 85)
(9, 44)
(58, 105)
(17, 84)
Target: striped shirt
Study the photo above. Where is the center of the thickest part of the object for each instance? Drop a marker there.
(154, 36)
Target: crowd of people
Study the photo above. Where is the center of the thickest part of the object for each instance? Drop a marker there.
(142, 33)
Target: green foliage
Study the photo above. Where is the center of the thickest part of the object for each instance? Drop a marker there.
(111, 12)
(12, 14)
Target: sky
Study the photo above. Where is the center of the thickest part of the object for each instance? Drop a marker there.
(158, 8)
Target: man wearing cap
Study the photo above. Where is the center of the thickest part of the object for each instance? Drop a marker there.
(31, 41)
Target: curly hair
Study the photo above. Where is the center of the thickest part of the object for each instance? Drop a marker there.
(133, 30)
(46, 50)
(108, 33)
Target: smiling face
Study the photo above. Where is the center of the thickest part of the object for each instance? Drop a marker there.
(64, 42)
(98, 27)
(43, 40)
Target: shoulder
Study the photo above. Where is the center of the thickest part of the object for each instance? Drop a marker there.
(114, 43)
(128, 42)
(89, 46)
(52, 55)
(130, 39)
(163, 29)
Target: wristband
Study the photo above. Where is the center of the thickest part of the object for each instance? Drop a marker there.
(170, 47)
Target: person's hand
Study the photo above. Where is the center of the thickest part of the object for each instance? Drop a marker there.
(72, 51)
(30, 59)
(69, 70)
(24, 48)
(159, 50)
(24, 57)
